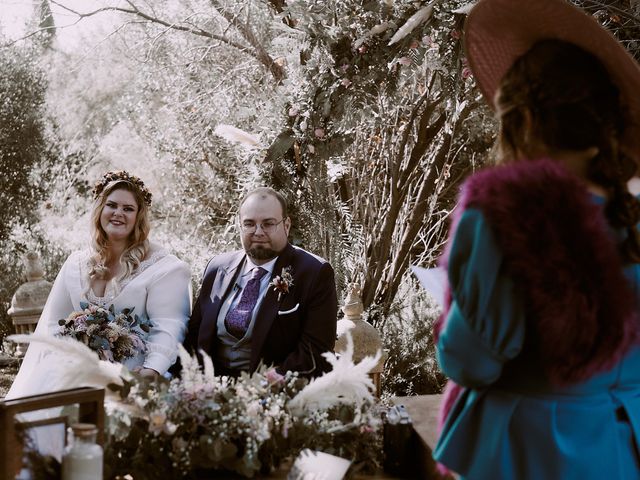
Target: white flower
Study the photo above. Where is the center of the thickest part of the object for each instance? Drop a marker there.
(170, 428)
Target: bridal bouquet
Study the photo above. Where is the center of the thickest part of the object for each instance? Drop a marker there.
(115, 336)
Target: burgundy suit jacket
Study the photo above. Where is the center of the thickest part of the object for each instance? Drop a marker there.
(290, 333)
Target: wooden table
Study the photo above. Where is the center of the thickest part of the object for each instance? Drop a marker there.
(423, 410)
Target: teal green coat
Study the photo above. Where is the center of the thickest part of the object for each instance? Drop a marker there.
(523, 427)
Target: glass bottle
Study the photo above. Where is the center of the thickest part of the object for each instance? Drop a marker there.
(82, 459)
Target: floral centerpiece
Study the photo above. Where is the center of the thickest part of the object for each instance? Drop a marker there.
(115, 336)
(248, 425)
(190, 426)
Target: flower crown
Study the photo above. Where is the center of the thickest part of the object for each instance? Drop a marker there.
(122, 176)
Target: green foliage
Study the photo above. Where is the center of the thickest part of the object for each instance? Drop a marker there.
(27, 143)
(24, 238)
(23, 133)
(411, 368)
(378, 137)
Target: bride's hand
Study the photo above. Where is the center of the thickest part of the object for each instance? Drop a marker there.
(146, 372)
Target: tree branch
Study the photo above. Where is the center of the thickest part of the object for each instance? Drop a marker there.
(257, 53)
(260, 53)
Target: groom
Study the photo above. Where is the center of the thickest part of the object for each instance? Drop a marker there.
(270, 302)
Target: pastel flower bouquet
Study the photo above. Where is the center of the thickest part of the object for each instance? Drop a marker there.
(115, 336)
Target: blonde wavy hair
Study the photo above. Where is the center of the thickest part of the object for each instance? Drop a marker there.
(138, 247)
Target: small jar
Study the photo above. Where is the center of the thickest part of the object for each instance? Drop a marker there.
(83, 457)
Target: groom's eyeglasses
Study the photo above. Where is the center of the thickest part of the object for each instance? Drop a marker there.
(267, 227)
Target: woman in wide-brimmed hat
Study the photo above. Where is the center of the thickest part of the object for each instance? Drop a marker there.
(541, 332)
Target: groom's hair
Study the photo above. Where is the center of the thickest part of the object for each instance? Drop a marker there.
(264, 192)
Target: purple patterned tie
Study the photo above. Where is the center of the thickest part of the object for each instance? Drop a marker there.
(238, 318)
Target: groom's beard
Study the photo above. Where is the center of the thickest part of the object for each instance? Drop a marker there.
(262, 253)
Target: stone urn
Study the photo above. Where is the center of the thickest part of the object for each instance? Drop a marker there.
(29, 300)
(366, 338)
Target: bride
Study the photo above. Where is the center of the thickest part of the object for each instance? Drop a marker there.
(122, 269)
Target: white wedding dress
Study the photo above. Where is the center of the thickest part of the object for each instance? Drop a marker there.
(159, 289)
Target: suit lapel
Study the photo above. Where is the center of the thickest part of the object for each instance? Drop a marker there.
(268, 310)
(213, 297)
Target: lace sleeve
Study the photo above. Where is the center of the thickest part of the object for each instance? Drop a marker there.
(168, 307)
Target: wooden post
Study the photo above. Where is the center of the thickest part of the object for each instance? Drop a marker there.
(91, 410)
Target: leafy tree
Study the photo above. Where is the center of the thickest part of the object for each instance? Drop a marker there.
(23, 134)
(385, 128)
(27, 142)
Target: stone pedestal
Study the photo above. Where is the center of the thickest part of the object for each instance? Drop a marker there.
(366, 338)
(29, 300)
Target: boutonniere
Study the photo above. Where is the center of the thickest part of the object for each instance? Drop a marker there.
(283, 282)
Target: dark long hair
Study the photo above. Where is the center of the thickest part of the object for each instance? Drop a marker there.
(572, 104)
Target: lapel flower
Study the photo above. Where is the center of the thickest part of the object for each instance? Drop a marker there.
(283, 282)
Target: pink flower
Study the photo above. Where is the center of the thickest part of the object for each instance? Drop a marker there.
(466, 73)
(319, 132)
(346, 82)
(455, 34)
(294, 111)
(273, 377)
(80, 322)
(404, 61)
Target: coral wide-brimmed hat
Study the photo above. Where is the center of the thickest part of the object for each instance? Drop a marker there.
(497, 32)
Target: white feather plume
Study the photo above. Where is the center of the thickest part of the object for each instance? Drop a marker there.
(72, 363)
(209, 375)
(190, 370)
(194, 378)
(235, 135)
(346, 383)
(464, 10)
(416, 19)
(376, 30)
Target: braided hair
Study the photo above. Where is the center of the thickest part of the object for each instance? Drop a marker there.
(562, 96)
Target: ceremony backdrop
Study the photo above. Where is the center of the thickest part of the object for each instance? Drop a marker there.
(363, 113)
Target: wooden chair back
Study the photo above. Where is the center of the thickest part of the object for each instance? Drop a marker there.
(91, 410)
